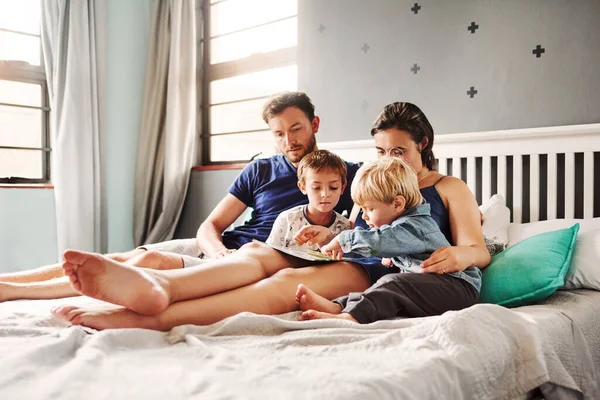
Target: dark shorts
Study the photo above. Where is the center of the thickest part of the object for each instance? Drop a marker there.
(373, 266)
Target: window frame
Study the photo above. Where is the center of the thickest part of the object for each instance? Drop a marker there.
(228, 69)
(23, 72)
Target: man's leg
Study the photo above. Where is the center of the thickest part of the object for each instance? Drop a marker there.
(274, 295)
(150, 291)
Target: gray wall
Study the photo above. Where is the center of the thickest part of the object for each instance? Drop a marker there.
(350, 82)
(27, 216)
(206, 189)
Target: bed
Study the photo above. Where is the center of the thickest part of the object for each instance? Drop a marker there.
(548, 350)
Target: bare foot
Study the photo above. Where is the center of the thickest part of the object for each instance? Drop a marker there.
(312, 314)
(102, 278)
(104, 317)
(309, 300)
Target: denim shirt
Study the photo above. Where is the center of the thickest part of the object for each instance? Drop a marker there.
(408, 241)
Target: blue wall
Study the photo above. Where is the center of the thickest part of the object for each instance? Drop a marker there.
(27, 216)
(128, 28)
(27, 228)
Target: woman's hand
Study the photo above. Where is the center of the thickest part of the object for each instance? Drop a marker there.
(387, 262)
(313, 234)
(448, 259)
(333, 249)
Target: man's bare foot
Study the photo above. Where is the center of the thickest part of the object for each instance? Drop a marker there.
(100, 277)
(309, 300)
(104, 317)
(313, 314)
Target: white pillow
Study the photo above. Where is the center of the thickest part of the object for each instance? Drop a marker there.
(584, 272)
(496, 218)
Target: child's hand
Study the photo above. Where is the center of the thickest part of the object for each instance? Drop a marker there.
(333, 249)
(387, 262)
(313, 234)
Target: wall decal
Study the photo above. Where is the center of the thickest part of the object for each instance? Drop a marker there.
(538, 51)
(321, 28)
(416, 8)
(472, 92)
(365, 48)
(415, 69)
(473, 27)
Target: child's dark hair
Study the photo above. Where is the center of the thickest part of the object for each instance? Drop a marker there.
(321, 160)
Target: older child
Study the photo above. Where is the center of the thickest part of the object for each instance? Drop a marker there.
(401, 228)
(322, 177)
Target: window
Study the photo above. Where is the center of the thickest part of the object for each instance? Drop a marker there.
(249, 55)
(24, 140)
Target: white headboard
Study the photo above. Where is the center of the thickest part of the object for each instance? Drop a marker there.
(544, 173)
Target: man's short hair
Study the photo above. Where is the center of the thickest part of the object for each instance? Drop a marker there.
(385, 179)
(278, 102)
(322, 160)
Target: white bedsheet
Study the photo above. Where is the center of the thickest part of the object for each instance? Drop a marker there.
(484, 352)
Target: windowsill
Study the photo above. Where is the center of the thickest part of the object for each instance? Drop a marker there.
(26, 186)
(219, 167)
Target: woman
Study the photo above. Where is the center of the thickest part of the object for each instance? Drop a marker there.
(259, 279)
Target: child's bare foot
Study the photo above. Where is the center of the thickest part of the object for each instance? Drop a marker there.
(104, 317)
(313, 314)
(309, 300)
(102, 278)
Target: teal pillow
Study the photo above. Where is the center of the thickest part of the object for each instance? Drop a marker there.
(529, 271)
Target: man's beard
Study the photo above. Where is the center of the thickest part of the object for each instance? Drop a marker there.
(307, 150)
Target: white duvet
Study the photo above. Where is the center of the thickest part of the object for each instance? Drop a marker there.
(484, 352)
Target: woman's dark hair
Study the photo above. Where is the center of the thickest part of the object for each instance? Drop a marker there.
(277, 103)
(408, 117)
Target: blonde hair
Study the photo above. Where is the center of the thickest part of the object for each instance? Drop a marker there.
(320, 160)
(385, 179)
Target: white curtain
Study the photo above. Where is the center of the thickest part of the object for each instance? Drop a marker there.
(73, 33)
(167, 140)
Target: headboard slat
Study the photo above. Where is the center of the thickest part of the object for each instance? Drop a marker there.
(517, 205)
(456, 168)
(502, 176)
(471, 174)
(486, 182)
(588, 184)
(552, 181)
(534, 187)
(570, 185)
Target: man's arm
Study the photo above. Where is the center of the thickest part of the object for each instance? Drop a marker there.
(222, 216)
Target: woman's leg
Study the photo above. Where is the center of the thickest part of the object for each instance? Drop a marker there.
(151, 291)
(53, 271)
(48, 289)
(141, 257)
(274, 295)
(50, 283)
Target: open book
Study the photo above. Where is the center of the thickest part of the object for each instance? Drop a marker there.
(306, 254)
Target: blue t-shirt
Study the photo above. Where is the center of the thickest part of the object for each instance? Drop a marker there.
(270, 186)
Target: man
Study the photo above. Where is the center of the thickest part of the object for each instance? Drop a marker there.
(268, 185)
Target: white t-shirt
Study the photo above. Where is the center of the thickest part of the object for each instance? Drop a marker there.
(289, 222)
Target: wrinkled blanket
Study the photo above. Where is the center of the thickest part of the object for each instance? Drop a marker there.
(484, 352)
